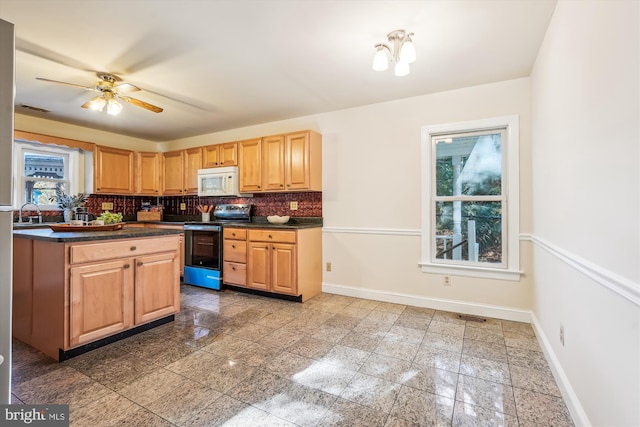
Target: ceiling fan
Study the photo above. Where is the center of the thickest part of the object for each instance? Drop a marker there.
(110, 92)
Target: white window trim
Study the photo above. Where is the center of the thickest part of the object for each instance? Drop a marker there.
(75, 169)
(512, 185)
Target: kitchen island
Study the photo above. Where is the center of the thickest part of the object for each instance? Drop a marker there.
(75, 291)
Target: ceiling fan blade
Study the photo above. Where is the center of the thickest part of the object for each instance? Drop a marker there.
(127, 87)
(65, 83)
(142, 104)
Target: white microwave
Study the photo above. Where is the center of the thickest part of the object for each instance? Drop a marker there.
(219, 182)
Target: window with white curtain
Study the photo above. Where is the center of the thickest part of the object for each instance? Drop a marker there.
(470, 198)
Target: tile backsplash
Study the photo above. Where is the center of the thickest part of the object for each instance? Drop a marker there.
(309, 203)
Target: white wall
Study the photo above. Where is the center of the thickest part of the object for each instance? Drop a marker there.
(372, 190)
(586, 188)
(63, 130)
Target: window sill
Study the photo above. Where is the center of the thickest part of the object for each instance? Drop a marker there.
(468, 271)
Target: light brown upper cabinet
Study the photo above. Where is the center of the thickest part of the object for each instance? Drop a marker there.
(172, 172)
(249, 164)
(288, 162)
(273, 163)
(180, 171)
(303, 161)
(215, 156)
(148, 173)
(192, 162)
(113, 170)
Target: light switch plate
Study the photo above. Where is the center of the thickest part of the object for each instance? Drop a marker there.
(106, 206)
(293, 206)
(183, 206)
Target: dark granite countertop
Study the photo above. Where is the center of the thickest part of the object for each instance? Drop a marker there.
(84, 236)
(260, 222)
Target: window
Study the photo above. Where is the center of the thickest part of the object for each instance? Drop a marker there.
(41, 168)
(470, 199)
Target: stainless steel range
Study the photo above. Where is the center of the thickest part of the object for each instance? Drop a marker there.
(203, 245)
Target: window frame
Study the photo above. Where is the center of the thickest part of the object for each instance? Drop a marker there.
(510, 267)
(73, 169)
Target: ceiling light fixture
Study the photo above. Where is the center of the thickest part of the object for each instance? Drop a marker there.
(402, 52)
(106, 99)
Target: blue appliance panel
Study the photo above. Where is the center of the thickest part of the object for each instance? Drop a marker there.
(203, 277)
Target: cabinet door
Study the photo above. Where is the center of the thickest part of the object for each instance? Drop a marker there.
(249, 164)
(192, 162)
(258, 266)
(148, 173)
(172, 172)
(228, 154)
(297, 162)
(101, 300)
(283, 268)
(273, 158)
(157, 286)
(113, 170)
(211, 156)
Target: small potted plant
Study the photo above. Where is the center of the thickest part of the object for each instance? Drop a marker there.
(68, 203)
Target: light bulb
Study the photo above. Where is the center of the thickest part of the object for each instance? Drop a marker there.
(401, 69)
(97, 103)
(408, 52)
(113, 107)
(380, 59)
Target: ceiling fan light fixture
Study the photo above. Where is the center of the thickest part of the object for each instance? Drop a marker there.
(97, 103)
(113, 107)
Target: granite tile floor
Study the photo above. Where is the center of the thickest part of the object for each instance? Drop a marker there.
(235, 359)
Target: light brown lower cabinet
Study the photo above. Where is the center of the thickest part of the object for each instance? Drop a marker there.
(287, 262)
(77, 293)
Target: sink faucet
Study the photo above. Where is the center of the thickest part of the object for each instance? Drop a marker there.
(37, 208)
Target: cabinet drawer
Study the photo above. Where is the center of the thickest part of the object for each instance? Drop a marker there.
(234, 273)
(235, 250)
(121, 248)
(235, 233)
(263, 235)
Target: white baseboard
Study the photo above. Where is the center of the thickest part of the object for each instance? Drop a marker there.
(484, 310)
(570, 397)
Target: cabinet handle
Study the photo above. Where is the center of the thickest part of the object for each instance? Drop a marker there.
(273, 247)
(233, 268)
(139, 263)
(271, 237)
(133, 248)
(258, 187)
(233, 234)
(233, 246)
(126, 266)
(280, 185)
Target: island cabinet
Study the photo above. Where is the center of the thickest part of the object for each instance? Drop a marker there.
(73, 294)
(234, 267)
(113, 170)
(286, 262)
(215, 156)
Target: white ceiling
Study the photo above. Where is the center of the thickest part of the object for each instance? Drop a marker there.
(222, 64)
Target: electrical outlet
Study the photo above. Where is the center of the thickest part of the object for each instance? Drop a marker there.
(328, 266)
(446, 281)
(106, 206)
(562, 334)
(293, 206)
(183, 206)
